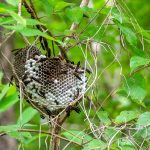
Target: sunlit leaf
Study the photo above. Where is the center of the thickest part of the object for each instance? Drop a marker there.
(74, 14)
(118, 15)
(110, 132)
(143, 120)
(8, 128)
(136, 88)
(4, 91)
(77, 136)
(89, 12)
(4, 8)
(30, 140)
(27, 115)
(14, 27)
(14, 127)
(137, 61)
(8, 101)
(143, 132)
(103, 116)
(19, 19)
(61, 5)
(33, 22)
(12, 130)
(35, 32)
(126, 144)
(95, 144)
(6, 20)
(126, 116)
(13, 2)
(29, 31)
(21, 136)
(129, 34)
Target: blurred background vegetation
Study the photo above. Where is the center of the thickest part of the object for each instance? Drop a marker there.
(113, 41)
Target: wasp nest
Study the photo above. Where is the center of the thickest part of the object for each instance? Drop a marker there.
(51, 83)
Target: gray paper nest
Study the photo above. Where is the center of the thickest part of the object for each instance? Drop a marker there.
(51, 84)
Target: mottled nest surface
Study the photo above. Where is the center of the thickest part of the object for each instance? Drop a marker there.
(50, 84)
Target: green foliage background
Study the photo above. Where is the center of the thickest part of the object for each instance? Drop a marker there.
(117, 115)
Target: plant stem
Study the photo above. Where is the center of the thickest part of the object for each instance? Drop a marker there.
(55, 140)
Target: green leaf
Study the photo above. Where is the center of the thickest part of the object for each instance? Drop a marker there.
(126, 144)
(49, 7)
(29, 31)
(74, 14)
(21, 136)
(129, 34)
(143, 132)
(14, 127)
(12, 130)
(143, 120)
(4, 91)
(119, 16)
(95, 144)
(14, 27)
(77, 136)
(91, 30)
(126, 116)
(35, 138)
(89, 12)
(137, 61)
(8, 102)
(20, 20)
(27, 115)
(34, 32)
(110, 131)
(8, 128)
(61, 5)
(6, 20)
(4, 8)
(103, 117)
(13, 2)
(145, 33)
(128, 147)
(116, 14)
(136, 88)
(33, 22)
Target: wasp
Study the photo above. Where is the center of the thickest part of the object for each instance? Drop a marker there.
(70, 65)
(57, 103)
(70, 108)
(42, 94)
(41, 60)
(76, 72)
(37, 80)
(63, 71)
(11, 80)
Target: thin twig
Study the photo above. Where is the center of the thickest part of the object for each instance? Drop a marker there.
(44, 132)
(93, 18)
(19, 7)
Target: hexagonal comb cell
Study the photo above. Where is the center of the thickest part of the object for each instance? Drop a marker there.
(51, 82)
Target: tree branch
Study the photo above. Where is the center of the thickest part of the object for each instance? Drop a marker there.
(44, 132)
(31, 10)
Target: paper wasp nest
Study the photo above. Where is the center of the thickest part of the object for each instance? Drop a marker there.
(51, 83)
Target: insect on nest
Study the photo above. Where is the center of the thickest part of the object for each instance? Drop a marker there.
(50, 83)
